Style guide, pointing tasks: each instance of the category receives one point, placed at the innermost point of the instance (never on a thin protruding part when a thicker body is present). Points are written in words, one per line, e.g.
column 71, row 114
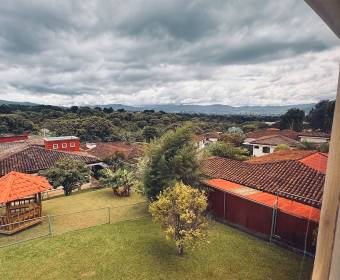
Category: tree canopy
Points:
column 321, row 116
column 69, row 174
column 170, row 159
column 94, row 124
column 121, row 181
column 227, row 150
column 293, row 119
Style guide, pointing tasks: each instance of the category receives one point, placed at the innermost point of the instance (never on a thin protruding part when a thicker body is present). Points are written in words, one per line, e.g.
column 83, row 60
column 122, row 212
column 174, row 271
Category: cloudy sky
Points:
column 235, row 52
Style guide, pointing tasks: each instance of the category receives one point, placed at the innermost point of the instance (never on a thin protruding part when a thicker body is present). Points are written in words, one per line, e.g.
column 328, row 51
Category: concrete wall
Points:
column 313, row 139
column 257, row 152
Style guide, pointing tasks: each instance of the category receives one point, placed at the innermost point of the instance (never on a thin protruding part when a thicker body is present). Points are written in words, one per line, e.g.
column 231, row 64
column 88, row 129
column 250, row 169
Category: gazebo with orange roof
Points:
column 21, row 194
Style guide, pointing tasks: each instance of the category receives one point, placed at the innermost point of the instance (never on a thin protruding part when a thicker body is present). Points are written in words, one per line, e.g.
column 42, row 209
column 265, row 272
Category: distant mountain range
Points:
column 5, row 102
column 216, row 109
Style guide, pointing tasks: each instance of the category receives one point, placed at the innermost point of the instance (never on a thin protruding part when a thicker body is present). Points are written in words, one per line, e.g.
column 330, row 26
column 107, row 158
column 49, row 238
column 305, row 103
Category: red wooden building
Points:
column 62, row 143
column 6, row 138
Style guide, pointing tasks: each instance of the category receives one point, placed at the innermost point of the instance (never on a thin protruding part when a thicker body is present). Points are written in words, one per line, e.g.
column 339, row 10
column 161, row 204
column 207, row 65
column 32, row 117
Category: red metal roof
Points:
column 317, row 161
column 16, row 185
column 286, row 205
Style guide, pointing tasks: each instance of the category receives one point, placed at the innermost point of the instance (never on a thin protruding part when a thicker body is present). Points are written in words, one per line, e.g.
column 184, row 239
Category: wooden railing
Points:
column 19, row 217
column 23, row 201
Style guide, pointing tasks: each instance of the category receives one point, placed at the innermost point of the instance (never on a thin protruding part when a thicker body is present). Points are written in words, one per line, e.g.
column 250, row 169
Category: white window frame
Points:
column 55, row 146
column 72, row 145
column 64, row 145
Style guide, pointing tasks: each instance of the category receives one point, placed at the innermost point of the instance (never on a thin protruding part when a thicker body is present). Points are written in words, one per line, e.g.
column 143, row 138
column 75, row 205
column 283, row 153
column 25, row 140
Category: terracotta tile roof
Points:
column 285, row 132
column 33, row 159
column 286, row 205
column 314, row 134
column 7, row 146
column 290, row 179
column 317, row 161
column 104, row 150
column 281, row 155
column 313, row 159
column 16, row 185
column 274, row 140
column 272, row 131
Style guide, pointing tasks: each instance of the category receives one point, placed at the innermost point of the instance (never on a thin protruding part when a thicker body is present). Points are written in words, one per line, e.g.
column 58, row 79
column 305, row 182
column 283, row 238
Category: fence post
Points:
column 50, row 225
column 109, row 210
column 224, row 215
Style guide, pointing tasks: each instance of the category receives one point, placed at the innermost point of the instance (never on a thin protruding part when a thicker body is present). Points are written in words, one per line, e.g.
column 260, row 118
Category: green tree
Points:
column 323, row 148
column 171, row 158
column 227, row 150
column 70, row 174
column 235, row 139
column 96, row 128
column 120, row 181
column 116, row 160
column 180, row 210
column 321, row 116
column 293, row 119
column 235, row 130
column 149, row 133
column 14, row 123
column 281, row 147
column 304, row 145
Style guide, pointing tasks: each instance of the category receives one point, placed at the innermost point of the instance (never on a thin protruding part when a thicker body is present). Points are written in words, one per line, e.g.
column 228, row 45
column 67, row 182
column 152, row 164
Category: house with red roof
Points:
column 264, row 141
column 277, row 196
column 132, row 152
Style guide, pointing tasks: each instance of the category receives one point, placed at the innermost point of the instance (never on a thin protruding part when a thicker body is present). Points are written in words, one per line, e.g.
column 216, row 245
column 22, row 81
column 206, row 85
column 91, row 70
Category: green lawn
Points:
column 138, row 250
column 93, row 199
column 82, row 210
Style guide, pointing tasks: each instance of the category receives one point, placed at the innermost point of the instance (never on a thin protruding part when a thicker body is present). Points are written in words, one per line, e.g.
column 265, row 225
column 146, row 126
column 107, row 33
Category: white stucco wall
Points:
column 259, row 152
column 313, row 139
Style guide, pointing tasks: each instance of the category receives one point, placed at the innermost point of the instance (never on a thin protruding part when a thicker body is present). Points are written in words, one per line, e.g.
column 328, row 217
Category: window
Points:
column 55, row 146
column 72, row 144
column 266, row 150
column 64, row 145
column 256, row 147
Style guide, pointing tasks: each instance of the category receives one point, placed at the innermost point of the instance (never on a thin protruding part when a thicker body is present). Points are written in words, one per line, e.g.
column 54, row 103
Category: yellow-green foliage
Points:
column 180, row 211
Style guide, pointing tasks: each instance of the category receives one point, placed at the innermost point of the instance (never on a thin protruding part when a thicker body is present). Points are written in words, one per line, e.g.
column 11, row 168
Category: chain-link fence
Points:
column 58, row 224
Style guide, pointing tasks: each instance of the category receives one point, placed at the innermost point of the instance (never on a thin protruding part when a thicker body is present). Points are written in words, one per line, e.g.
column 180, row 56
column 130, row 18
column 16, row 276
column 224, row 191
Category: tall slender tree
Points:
column 171, row 158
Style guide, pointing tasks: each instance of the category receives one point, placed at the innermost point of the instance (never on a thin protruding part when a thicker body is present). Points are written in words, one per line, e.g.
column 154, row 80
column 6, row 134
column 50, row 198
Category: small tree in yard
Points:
column 180, row 211
column 120, row 181
column 281, row 147
column 221, row 149
column 70, row 174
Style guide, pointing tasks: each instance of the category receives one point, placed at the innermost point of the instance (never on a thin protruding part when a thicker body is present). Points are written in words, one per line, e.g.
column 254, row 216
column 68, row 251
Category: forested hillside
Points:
column 94, row 124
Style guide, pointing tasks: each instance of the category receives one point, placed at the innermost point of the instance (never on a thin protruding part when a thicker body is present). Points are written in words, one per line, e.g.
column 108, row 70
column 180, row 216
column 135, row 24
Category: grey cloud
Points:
column 155, row 51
